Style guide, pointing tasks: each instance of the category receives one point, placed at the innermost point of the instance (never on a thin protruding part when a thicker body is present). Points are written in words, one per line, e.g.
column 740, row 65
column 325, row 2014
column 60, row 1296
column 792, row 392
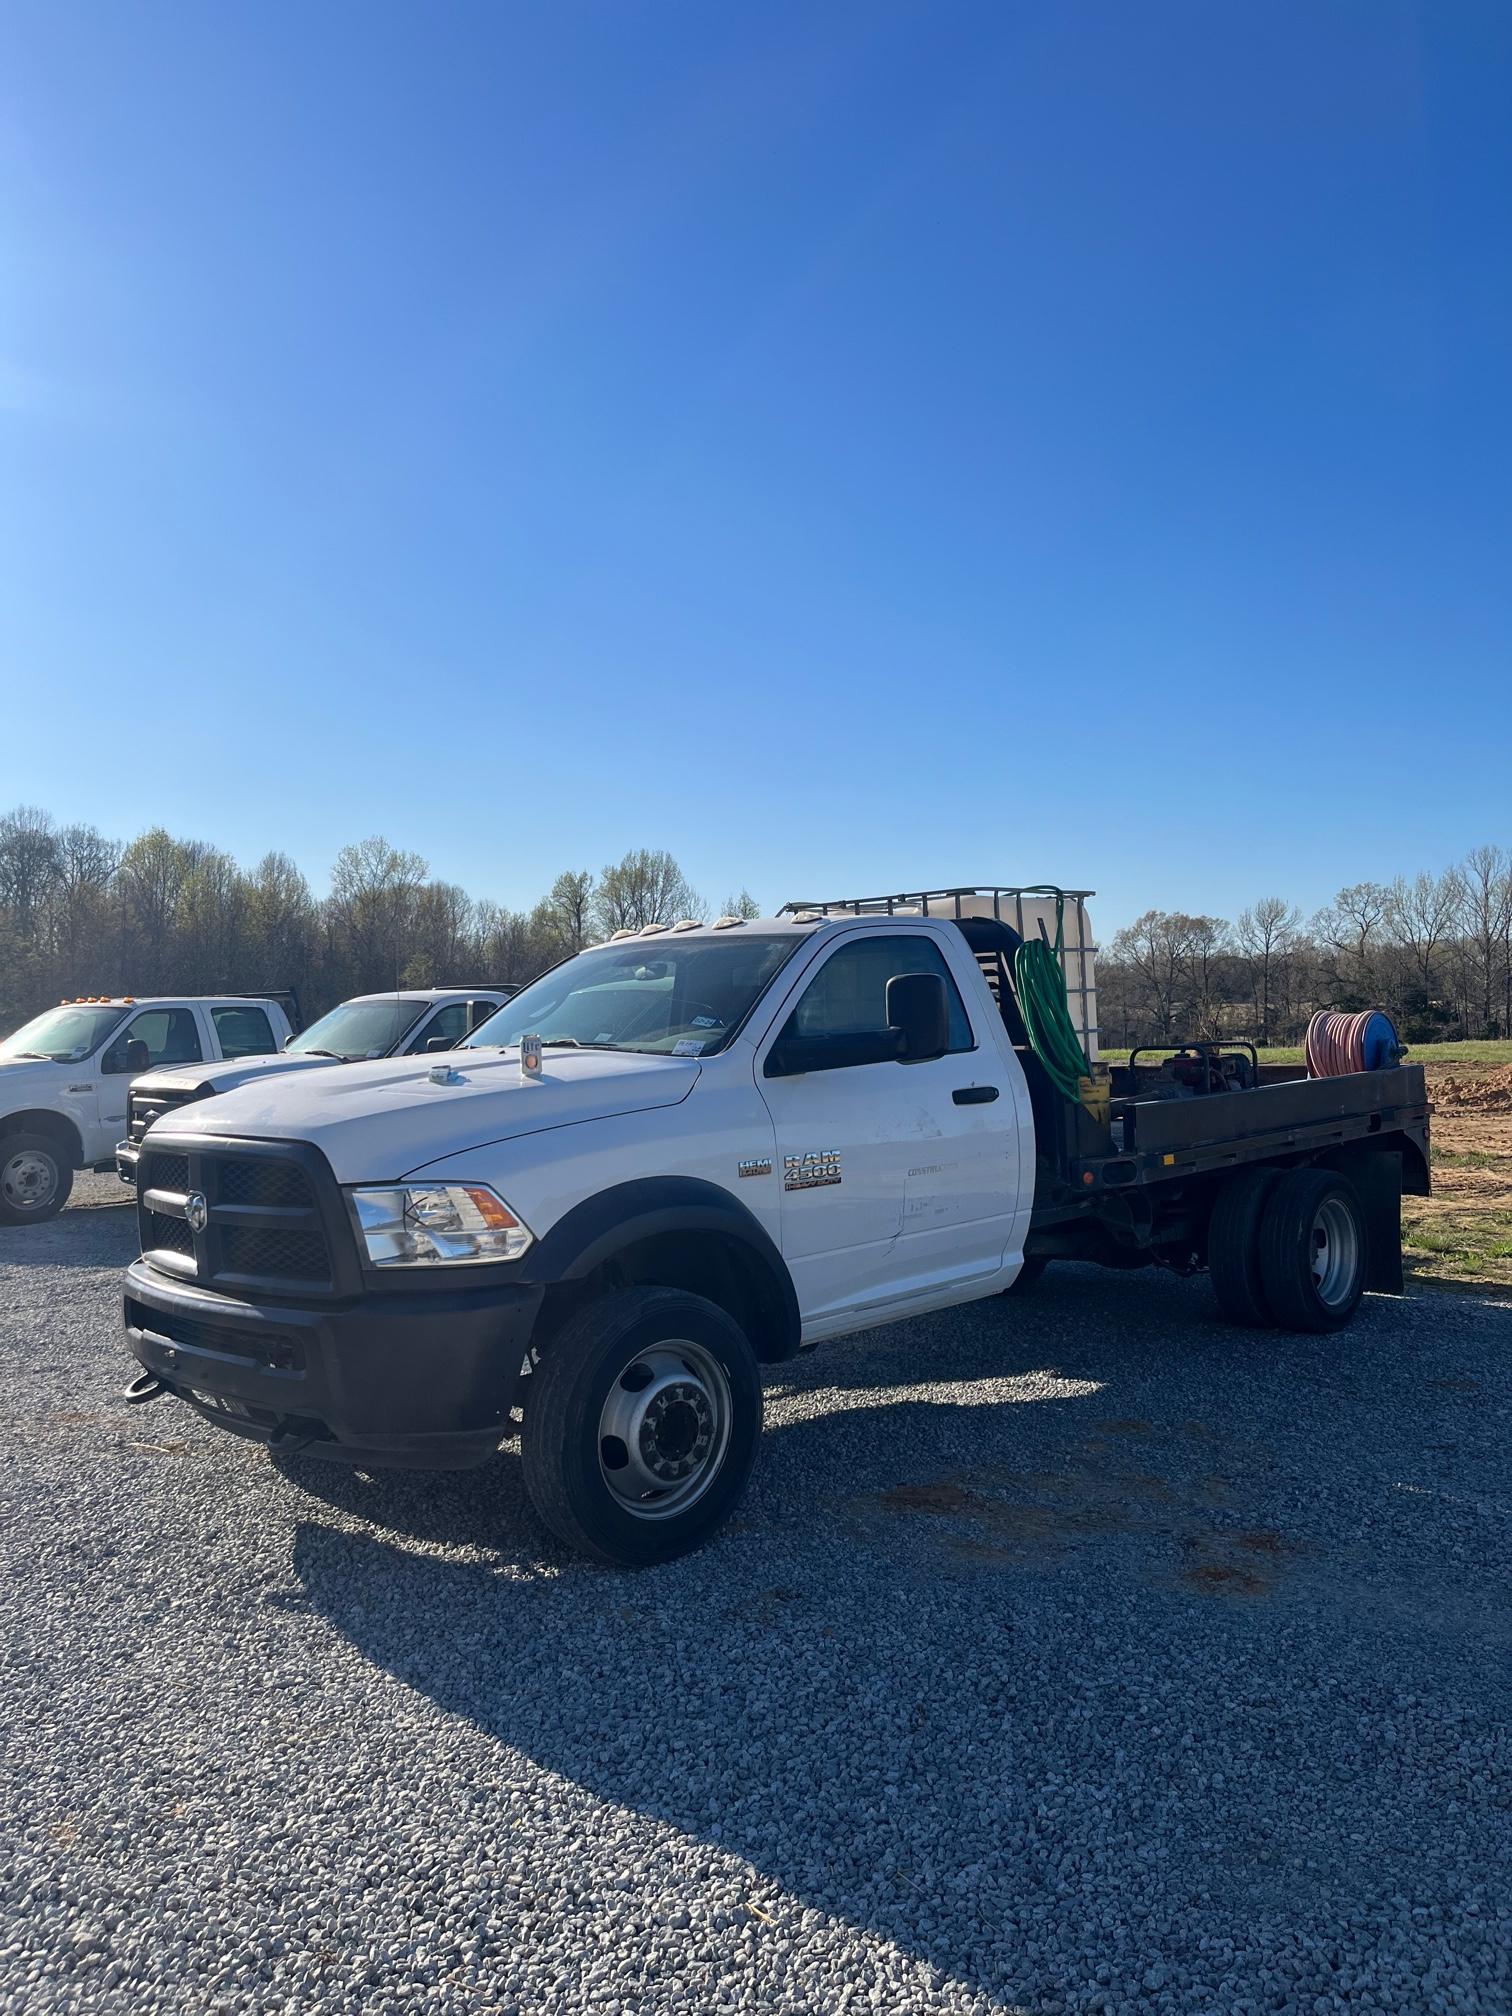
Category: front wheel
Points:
column 35, row 1179
column 641, row 1422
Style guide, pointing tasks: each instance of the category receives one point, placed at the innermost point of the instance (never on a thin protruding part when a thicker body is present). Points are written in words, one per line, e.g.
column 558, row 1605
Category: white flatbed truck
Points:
column 694, row 1151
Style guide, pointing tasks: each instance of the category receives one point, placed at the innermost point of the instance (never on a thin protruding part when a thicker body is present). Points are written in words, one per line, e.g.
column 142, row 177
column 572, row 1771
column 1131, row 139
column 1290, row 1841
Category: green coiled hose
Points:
column 1041, row 988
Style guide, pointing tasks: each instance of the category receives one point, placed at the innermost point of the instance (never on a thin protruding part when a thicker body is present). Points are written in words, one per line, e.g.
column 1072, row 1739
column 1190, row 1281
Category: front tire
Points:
column 641, row 1423
column 1314, row 1251
column 35, row 1179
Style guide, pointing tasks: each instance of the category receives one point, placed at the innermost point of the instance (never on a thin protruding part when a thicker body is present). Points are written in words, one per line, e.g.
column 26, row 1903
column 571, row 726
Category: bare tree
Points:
column 1487, row 880
column 743, row 905
column 1266, row 934
column 569, row 906
column 28, row 864
column 1348, row 928
column 1155, row 947
column 1421, row 914
column 644, row 888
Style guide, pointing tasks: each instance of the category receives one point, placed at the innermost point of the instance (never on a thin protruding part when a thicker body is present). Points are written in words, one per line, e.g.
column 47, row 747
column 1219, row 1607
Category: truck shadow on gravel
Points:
column 997, row 1649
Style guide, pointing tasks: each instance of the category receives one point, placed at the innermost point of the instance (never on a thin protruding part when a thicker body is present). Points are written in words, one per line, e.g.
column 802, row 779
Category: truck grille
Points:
column 268, row 1221
column 271, row 1183
column 170, row 1234
column 142, row 1108
column 170, row 1172
column 295, row 1256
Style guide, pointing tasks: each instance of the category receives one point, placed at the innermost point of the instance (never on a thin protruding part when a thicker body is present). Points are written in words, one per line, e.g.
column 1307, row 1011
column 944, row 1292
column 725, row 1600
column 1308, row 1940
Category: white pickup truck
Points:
column 64, row 1078
column 691, row 1152
column 408, row 1022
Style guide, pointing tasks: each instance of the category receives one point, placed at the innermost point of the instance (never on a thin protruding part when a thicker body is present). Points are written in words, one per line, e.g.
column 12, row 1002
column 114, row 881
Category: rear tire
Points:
column 1314, row 1251
column 1234, row 1247
column 35, row 1178
column 641, row 1424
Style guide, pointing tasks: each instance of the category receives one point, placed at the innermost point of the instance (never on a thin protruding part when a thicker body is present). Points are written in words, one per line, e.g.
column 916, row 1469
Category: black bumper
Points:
column 424, row 1379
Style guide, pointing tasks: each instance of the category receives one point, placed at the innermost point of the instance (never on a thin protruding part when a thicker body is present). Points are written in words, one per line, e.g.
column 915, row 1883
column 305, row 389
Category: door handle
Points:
column 974, row 1095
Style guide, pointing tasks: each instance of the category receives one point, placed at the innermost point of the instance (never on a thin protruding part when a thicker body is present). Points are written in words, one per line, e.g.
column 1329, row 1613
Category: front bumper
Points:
column 126, row 1156
column 423, row 1379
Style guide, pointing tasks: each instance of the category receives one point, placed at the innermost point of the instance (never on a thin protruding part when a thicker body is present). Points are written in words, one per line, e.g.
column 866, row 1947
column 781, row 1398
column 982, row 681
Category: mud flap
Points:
column 1378, row 1179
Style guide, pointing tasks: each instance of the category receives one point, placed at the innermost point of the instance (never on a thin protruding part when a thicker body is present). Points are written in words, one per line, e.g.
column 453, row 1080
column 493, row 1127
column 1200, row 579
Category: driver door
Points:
column 171, row 1036
column 893, row 1190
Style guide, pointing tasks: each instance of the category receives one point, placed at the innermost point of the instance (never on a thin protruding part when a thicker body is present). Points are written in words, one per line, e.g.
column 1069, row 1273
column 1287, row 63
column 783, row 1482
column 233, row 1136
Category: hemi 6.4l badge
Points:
column 760, row 1165
column 811, row 1172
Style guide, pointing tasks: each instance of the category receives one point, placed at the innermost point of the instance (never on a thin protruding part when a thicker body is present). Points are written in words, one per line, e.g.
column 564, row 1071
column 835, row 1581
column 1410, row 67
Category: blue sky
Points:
column 850, row 445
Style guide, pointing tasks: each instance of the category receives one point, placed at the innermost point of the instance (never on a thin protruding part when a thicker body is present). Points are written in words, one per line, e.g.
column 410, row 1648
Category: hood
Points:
column 380, row 1121
column 14, row 1069
column 223, row 1077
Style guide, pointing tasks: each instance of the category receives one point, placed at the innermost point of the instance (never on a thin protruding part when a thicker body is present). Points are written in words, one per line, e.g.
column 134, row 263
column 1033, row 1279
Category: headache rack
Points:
column 1029, row 911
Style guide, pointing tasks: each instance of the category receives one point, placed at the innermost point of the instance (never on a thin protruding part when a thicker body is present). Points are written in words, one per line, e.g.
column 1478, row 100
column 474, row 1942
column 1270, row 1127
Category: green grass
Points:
column 1466, row 1158
column 1484, row 1053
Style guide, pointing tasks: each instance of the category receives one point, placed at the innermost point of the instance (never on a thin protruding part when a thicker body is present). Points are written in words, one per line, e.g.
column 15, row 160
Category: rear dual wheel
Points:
column 1288, row 1248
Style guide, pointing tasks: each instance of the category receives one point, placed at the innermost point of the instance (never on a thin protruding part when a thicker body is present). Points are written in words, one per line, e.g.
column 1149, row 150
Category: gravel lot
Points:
column 1070, row 1654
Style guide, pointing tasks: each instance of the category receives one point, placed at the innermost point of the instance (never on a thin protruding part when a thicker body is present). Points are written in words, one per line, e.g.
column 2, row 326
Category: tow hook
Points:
column 146, row 1386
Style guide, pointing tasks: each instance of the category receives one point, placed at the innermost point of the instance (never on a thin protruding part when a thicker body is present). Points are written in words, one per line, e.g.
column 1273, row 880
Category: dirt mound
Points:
column 1488, row 1092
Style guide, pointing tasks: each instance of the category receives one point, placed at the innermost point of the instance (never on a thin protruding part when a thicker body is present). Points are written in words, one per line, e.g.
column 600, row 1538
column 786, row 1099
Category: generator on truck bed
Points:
column 704, row 1147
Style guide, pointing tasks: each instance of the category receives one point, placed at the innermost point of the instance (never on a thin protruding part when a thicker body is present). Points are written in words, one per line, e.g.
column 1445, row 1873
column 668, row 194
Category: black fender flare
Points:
column 593, row 1232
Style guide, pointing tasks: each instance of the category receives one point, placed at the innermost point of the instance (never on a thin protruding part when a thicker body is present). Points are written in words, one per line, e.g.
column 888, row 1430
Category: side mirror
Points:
column 918, row 1010
column 288, row 1040
column 435, row 1043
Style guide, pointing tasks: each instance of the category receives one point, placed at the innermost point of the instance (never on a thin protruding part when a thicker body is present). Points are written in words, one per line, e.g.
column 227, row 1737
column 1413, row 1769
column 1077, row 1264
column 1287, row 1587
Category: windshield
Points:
column 359, row 1029
column 63, row 1035
column 684, row 998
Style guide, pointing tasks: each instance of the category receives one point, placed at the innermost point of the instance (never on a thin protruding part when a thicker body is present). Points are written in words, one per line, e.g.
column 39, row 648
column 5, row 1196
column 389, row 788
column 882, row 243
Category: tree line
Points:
column 84, row 914
column 1433, row 950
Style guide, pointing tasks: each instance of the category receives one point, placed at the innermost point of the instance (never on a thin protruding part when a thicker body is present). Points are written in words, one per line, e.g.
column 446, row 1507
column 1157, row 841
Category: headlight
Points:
column 425, row 1224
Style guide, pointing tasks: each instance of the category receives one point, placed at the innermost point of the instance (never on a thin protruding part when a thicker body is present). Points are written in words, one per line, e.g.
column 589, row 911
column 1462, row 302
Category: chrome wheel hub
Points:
column 1335, row 1252
column 664, row 1428
column 28, row 1180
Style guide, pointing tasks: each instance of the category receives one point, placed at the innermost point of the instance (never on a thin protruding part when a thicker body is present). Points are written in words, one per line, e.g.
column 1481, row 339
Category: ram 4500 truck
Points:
column 64, row 1074
column 695, row 1151
column 409, row 1022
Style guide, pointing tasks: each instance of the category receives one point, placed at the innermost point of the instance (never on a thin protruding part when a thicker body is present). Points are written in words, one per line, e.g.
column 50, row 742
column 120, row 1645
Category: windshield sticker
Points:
column 686, row 1047
column 706, row 1022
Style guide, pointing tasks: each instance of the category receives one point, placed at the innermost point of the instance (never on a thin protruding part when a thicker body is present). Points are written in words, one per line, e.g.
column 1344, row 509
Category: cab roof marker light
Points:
column 687, row 924
column 615, row 936
column 651, row 930
column 728, row 923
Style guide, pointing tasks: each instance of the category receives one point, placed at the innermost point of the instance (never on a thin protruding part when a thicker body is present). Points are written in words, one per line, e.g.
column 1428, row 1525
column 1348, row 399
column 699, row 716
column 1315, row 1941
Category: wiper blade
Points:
column 339, row 1056
column 37, row 1056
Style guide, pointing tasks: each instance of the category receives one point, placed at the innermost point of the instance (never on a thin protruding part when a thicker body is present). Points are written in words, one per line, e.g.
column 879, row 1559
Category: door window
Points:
column 848, row 995
column 169, row 1035
column 450, row 1022
column 243, row 1032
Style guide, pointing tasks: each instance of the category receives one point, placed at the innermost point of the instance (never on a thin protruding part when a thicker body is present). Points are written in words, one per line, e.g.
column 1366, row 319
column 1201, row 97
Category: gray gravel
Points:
column 1070, row 1654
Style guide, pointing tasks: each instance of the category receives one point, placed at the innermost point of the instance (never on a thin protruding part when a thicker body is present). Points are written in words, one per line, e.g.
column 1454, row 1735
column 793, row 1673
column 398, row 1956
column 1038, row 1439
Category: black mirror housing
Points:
column 919, row 1013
